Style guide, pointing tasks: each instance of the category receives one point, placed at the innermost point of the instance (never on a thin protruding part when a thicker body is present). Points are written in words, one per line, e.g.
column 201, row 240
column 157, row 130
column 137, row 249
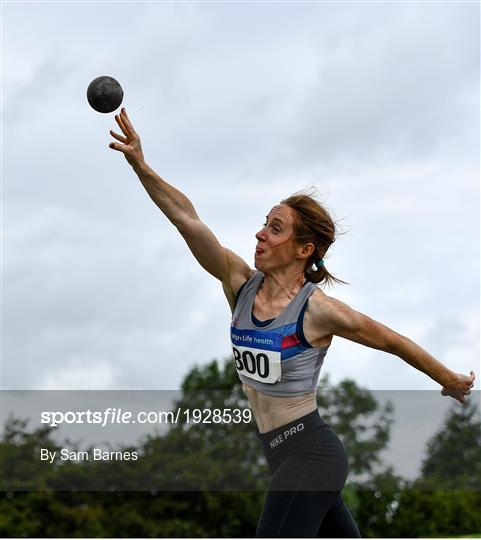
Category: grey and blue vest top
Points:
column 273, row 356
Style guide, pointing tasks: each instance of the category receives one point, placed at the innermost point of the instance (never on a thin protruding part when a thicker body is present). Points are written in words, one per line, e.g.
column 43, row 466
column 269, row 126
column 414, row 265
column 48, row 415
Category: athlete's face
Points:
column 276, row 244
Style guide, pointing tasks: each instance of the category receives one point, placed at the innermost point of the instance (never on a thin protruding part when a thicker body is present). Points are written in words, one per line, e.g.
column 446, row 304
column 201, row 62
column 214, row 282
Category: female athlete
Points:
column 282, row 326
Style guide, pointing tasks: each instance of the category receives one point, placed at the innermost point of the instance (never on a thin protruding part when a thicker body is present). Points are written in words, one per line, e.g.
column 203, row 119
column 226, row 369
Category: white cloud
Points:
column 238, row 105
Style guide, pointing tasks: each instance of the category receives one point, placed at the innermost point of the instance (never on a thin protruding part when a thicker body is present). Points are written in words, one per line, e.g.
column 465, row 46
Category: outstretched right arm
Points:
column 219, row 261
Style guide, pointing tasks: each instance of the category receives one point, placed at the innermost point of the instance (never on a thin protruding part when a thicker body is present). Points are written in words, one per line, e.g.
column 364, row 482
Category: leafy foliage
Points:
column 217, row 475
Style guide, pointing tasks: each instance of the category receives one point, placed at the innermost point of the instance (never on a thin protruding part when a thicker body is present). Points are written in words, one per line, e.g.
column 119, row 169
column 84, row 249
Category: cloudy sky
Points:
column 238, row 105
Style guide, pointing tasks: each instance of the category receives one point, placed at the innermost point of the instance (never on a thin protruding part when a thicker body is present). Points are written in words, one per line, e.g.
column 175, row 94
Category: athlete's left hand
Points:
column 459, row 387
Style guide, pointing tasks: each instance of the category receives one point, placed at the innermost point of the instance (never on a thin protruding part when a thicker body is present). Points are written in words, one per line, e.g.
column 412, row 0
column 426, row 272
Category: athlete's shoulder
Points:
column 239, row 270
column 323, row 307
column 332, row 313
column 239, row 274
column 318, row 300
column 241, row 279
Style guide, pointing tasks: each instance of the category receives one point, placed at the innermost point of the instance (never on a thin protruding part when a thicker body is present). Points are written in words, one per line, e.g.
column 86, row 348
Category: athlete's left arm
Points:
column 341, row 320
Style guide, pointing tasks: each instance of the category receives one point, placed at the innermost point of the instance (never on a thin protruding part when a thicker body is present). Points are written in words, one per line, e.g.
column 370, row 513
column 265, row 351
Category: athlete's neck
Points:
column 280, row 286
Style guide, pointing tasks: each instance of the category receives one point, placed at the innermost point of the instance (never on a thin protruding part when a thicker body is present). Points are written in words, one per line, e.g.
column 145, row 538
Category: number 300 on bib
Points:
column 261, row 365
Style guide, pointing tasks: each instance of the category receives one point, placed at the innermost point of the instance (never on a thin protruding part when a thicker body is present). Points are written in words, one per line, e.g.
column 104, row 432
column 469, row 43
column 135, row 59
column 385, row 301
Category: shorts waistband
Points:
column 286, row 435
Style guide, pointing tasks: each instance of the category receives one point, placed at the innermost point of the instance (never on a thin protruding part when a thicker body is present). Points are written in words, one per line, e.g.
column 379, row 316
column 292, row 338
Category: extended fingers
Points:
column 128, row 124
column 119, row 147
column 126, row 120
column 121, row 124
column 118, row 137
column 116, row 146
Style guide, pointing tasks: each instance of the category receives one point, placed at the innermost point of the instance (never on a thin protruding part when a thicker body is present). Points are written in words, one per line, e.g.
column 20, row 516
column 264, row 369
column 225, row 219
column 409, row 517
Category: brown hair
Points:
column 314, row 224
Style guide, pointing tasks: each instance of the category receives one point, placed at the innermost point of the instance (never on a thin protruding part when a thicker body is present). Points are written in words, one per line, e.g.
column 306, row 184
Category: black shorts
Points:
column 309, row 467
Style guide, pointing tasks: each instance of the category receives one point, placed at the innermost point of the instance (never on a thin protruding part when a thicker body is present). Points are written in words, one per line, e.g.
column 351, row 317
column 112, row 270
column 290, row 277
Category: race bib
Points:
column 257, row 354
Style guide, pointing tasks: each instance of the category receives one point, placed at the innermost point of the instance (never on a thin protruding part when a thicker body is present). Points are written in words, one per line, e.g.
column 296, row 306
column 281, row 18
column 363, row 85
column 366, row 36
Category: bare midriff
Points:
column 272, row 412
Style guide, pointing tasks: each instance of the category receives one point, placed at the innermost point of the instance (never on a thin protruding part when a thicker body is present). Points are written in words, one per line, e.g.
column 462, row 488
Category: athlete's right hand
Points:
column 131, row 147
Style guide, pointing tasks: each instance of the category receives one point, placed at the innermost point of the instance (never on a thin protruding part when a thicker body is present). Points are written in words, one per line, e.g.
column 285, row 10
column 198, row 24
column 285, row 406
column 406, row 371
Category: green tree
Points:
column 361, row 422
column 453, row 458
column 212, row 477
column 376, row 502
column 440, row 513
column 446, row 498
column 19, row 455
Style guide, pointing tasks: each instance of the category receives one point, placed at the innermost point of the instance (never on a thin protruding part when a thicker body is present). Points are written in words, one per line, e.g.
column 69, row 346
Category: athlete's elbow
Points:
column 187, row 226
